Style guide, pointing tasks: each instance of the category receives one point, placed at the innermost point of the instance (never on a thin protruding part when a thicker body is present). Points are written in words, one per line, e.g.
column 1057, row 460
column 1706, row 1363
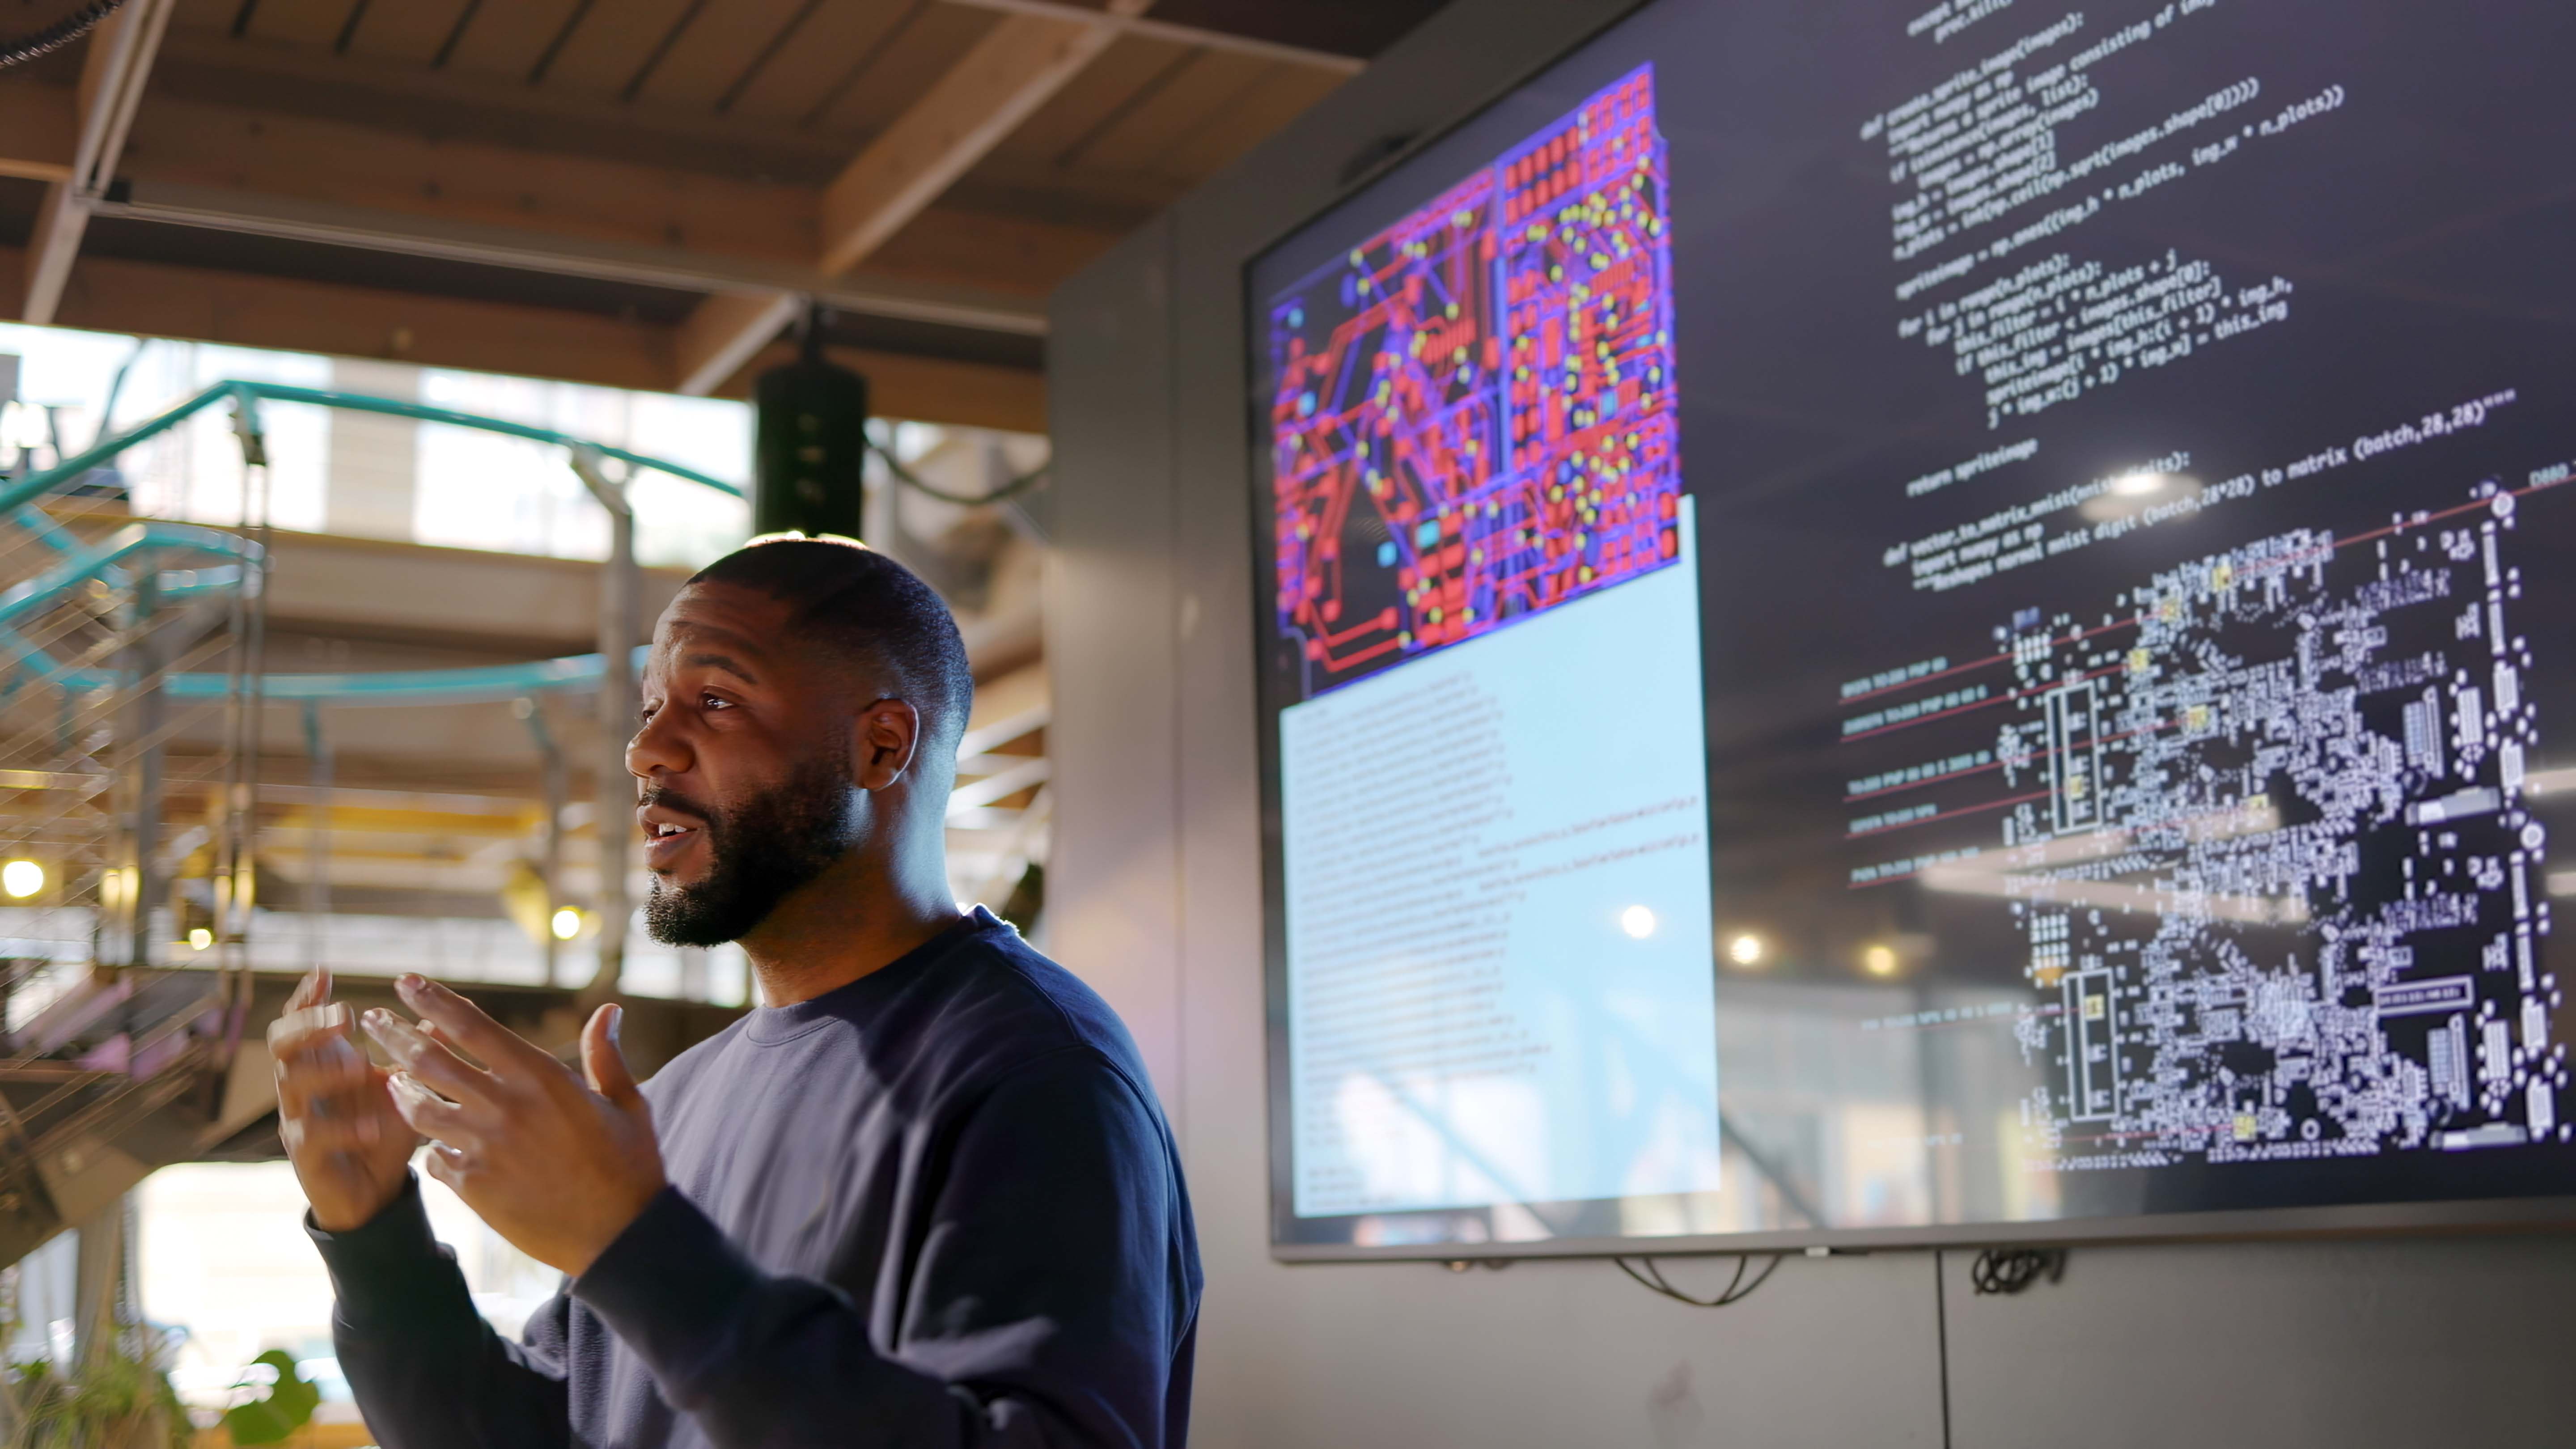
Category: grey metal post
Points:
column 620, row 621
column 317, row 836
column 98, row 1272
column 150, row 709
column 551, row 754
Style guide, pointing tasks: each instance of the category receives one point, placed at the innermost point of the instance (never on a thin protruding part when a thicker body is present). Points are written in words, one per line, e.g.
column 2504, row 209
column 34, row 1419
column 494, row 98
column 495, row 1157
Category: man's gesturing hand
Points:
column 350, row 1148
column 556, row 1165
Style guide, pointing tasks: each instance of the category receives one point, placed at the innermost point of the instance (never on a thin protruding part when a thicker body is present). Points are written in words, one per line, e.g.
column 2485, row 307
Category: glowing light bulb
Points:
column 1638, row 922
column 567, row 923
column 1745, row 950
column 199, row 938
column 21, row 879
column 1879, row 960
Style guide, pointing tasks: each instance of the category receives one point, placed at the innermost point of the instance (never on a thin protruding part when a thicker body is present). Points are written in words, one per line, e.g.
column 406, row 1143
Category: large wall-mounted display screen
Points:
column 1929, row 622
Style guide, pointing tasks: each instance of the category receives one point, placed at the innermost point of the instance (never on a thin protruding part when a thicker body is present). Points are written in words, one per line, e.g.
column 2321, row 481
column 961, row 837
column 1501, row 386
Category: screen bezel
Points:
column 2383, row 1219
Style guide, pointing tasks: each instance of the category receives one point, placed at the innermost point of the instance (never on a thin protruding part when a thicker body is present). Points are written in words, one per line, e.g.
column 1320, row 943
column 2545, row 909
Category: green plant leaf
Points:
column 286, row 1407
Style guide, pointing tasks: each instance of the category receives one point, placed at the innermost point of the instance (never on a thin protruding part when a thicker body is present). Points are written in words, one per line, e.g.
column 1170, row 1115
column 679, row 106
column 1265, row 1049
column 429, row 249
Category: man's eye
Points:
column 715, row 701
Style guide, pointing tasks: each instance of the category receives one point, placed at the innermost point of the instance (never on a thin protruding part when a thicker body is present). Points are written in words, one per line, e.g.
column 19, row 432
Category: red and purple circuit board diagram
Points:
column 1473, row 412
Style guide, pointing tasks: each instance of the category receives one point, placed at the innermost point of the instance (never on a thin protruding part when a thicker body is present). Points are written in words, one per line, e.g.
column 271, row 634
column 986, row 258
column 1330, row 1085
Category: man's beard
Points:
column 758, row 852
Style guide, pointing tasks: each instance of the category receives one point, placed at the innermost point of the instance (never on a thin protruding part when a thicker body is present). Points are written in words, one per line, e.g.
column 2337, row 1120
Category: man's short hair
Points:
column 860, row 604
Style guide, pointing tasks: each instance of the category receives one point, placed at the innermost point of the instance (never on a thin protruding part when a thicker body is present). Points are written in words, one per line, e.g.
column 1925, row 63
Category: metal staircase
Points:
column 132, row 695
column 124, row 814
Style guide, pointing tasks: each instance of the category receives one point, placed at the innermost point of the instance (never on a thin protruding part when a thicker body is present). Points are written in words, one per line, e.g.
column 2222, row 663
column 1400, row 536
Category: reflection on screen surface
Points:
column 1901, row 618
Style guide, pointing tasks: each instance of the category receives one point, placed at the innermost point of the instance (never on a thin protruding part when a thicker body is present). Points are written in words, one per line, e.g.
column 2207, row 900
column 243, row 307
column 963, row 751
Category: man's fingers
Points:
column 447, row 1165
column 318, row 1094
column 312, row 991
column 304, row 1027
column 339, row 1133
column 317, row 1056
column 462, row 1022
column 603, row 1061
column 427, row 1113
column 428, row 1060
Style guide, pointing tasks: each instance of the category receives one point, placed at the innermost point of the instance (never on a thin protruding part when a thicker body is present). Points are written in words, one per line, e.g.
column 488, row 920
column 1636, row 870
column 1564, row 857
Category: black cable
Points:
column 51, row 38
column 906, row 477
column 1941, row 1330
column 2013, row 1270
column 1736, row 1290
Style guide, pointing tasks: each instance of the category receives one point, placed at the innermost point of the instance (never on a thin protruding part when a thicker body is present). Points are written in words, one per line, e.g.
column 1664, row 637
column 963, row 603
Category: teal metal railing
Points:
column 80, row 561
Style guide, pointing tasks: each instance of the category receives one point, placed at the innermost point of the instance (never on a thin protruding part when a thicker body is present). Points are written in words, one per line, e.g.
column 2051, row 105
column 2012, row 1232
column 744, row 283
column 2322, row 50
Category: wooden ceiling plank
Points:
column 1278, row 97
column 407, row 32
column 496, row 108
column 1075, row 147
column 1089, row 100
column 996, row 86
column 801, row 76
column 39, row 125
column 205, row 14
column 610, row 44
column 505, row 39
column 1195, row 36
column 1009, row 74
column 716, row 51
column 885, row 84
column 1192, row 98
column 315, row 23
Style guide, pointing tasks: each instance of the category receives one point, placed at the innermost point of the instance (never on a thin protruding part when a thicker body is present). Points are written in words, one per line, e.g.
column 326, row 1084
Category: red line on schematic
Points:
column 2267, row 565
column 1999, row 764
column 1945, row 815
column 2004, row 698
column 1990, row 660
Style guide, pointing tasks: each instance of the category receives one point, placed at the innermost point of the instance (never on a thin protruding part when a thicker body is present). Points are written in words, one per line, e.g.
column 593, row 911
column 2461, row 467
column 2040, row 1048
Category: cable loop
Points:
column 2013, row 1270
column 54, row 37
column 1736, row 1291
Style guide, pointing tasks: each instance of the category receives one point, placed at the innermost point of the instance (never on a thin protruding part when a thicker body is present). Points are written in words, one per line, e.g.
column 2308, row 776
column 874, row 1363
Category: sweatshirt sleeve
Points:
column 427, row 1371
column 1046, row 1292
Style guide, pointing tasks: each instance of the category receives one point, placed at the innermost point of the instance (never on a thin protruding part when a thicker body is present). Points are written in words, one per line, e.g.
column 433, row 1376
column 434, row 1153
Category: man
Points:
column 921, row 1196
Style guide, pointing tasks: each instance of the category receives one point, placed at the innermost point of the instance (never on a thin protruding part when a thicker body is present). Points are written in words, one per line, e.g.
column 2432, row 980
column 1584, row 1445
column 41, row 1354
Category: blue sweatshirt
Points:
column 938, row 1206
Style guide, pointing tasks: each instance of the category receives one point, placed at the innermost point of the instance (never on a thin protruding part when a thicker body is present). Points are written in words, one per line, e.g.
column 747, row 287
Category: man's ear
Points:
column 887, row 737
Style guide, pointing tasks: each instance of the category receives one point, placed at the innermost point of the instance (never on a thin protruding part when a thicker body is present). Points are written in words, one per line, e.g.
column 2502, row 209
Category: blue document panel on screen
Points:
column 1498, row 917
column 1492, row 783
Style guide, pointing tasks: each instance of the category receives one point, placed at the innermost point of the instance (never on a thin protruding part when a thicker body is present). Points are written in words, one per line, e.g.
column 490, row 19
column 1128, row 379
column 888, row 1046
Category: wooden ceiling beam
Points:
column 156, row 300
column 1008, row 74
column 933, row 389
column 230, row 168
column 717, row 338
column 927, row 297
column 203, row 305
column 276, row 153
